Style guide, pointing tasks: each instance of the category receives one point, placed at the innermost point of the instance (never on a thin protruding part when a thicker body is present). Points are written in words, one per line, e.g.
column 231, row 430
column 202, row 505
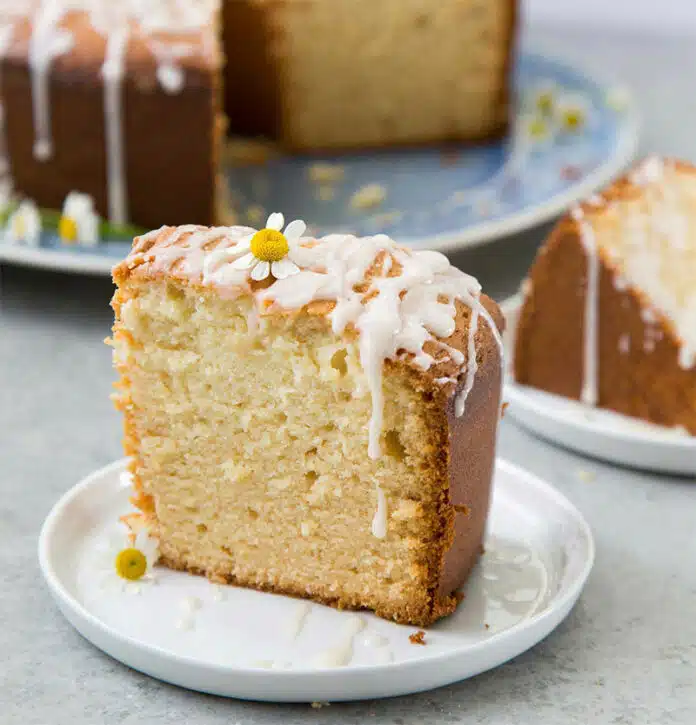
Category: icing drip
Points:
column 298, row 619
column 624, row 343
column 379, row 522
column 112, row 70
column 341, row 654
column 589, row 392
column 649, row 172
column 471, row 365
column 47, row 42
column 171, row 77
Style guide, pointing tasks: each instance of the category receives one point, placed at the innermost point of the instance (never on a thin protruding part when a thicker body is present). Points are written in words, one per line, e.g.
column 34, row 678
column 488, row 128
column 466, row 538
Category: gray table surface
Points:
column 626, row 654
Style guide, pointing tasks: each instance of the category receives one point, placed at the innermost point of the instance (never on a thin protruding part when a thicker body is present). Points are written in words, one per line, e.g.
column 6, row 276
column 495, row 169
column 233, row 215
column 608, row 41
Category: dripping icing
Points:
column 112, row 71
column 589, row 391
column 46, row 43
column 379, row 522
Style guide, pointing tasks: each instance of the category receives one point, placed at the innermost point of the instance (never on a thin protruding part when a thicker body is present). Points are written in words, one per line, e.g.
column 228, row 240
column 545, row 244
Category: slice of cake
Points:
column 609, row 314
column 310, row 417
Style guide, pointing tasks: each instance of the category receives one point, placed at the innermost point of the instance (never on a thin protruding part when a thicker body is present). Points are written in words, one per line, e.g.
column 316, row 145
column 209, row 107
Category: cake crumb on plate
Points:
column 417, row 637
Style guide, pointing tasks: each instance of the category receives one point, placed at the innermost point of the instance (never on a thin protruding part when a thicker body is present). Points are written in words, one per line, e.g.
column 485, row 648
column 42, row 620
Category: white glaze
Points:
column 340, row 654
column 624, row 343
column 589, row 391
column 171, row 77
column 374, row 639
column 471, row 365
column 185, row 623
column 47, row 42
column 379, row 522
column 189, row 605
column 112, row 72
column 298, row 618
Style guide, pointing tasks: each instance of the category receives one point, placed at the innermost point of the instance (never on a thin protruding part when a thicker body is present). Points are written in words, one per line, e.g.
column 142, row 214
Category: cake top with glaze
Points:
column 403, row 303
column 75, row 33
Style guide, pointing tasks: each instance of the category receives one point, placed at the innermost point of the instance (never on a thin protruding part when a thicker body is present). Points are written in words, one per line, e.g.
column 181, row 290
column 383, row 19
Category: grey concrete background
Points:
column 626, row 654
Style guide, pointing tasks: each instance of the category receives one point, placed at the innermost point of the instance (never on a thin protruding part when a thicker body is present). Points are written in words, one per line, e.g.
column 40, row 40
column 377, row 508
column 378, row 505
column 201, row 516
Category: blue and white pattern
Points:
column 444, row 198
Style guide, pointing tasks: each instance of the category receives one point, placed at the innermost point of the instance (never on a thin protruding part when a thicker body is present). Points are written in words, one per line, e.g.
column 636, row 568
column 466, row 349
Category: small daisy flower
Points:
column 269, row 251
column 79, row 223
column 127, row 563
column 538, row 129
column 24, row 224
column 544, row 99
column 572, row 114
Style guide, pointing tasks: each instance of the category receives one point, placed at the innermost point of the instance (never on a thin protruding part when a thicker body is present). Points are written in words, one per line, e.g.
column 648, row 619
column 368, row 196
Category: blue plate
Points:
column 444, row 198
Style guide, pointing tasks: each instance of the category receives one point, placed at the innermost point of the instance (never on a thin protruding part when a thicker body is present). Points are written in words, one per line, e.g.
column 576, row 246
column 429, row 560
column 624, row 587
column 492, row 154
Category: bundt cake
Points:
column 314, row 417
column 609, row 312
column 101, row 96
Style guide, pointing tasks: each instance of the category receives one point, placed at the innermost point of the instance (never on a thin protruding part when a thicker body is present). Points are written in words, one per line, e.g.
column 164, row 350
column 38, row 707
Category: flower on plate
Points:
column 79, row 222
column 538, row 129
column 269, row 251
column 571, row 113
column 544, row 99
column 128, row 560
column 24, row 224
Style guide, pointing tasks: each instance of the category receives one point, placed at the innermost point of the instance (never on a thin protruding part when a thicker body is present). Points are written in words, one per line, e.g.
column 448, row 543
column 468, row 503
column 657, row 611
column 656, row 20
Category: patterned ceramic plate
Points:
column 571, row 135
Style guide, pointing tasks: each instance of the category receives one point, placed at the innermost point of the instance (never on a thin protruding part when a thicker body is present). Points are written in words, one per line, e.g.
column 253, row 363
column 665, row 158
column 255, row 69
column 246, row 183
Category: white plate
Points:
column 440, row 197
column 255, row 646
column 591, row 431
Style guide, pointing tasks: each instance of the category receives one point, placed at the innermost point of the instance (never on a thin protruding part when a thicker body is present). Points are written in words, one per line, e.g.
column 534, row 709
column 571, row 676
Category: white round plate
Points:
column 256, row 646
column 440, row 197
column 594, row 432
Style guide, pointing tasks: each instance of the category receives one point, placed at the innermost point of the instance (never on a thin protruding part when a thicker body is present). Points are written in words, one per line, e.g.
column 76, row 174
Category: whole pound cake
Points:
column 100, row 95
column 314, row 417
column 609, row 314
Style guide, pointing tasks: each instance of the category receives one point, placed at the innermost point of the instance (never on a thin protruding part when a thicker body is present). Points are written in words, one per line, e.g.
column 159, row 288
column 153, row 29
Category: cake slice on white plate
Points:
column 314, row 417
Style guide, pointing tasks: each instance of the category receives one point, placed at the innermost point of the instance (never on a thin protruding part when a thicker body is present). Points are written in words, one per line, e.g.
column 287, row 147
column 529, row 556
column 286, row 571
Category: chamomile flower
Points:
column 79, row 223
column 269, row 251
column 125, row 563
column 572, row 113
column 24, row 224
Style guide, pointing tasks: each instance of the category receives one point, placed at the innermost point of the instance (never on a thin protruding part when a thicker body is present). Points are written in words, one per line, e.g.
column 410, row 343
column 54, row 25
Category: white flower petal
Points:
column 260, row 271
column 248, row 260
column 295, row 230
column 275, row 221
column 284, row 268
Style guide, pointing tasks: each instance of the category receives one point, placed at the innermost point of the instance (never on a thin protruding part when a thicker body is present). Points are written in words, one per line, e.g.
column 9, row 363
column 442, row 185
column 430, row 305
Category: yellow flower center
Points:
column 544, row 102
column 573, row 118
column 268, row 245
column 67, row 229
column 131, row 564
column 538, row 128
